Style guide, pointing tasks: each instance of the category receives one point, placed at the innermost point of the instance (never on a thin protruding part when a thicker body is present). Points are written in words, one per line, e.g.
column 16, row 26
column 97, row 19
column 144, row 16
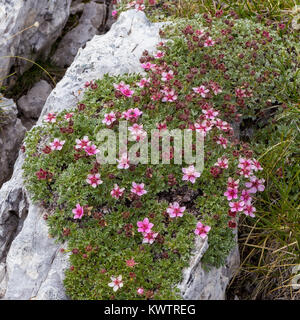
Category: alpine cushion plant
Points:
column 131, row 227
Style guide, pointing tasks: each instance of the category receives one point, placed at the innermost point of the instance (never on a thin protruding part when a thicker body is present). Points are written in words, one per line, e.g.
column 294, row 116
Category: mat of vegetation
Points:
column 131, row 227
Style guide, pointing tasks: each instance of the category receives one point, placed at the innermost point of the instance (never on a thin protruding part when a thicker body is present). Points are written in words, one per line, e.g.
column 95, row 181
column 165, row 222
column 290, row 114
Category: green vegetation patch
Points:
column 131, row 227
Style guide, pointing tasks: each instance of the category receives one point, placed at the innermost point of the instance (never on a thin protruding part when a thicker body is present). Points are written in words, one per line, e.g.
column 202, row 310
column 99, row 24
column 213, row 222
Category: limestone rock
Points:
column 34, row 264
column 116, row 52
column 76, row 7
column 32, row 103
column 91, row 22
column 17, row 15
column 11, row 136
column 199, row 284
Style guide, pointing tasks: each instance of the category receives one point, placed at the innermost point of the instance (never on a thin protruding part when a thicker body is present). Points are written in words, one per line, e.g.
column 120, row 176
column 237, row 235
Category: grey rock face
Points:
column 76, row 7
column 35, row 260
column 199, row 284
column 17, row 15
column 32, row 103
column 11, row 136
column 32, row 263
column 91, row 22
column 13, row 208
column 116, row 52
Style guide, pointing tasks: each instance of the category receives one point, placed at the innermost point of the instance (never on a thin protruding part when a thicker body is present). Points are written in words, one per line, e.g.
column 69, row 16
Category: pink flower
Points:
column 127, row 92
column 91, row 150
column 50, row 117
column 202, row 230
column 159, row 54
column 232, row 183
column 204, row 127
column 109, row 118
column 140, row 291
column 256, row 165
column 143, row 82
column 116, row 283
column 94, row 180
column 245, row 172
column 201, row 90
column 138, row 189
column 137, row 132
column 57, row 144
column 245, row 196
column 130, row 263
column 231, row 194
column 114, row 13
column 236, row 206
column 222, row 141
column 161, row 126
column 215, row 87
column 132, row 114
column 240, row 93
column 209, row 42
column 69, row 116
column 117, row 192
column 190, row 174
column 144, row 226
column 210, row 114
column 248, row 210
column 222, row 163
column 175, row 210
column 148, row 66
column 78, row 211
column 255, row 185
column 170, row 95
column 149, row 237
column 120, row 86
column 83, row 143
column 245, row 163
column 222, row 125
column 123, row 162
column 199, row 32
column 167, row 76
column 157, row 96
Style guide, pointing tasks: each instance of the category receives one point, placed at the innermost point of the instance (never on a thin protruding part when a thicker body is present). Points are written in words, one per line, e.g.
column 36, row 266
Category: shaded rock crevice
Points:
column 28, row 29
column 12, row 133
column 93, row 20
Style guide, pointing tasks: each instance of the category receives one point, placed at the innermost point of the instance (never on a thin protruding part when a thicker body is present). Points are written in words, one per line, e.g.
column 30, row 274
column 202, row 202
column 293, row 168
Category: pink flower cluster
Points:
column 137, row 132
column 244, row 204
column 132, row 114
column 86, row 145
column 202, row 230
column 124, row 89
column 145, row 227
